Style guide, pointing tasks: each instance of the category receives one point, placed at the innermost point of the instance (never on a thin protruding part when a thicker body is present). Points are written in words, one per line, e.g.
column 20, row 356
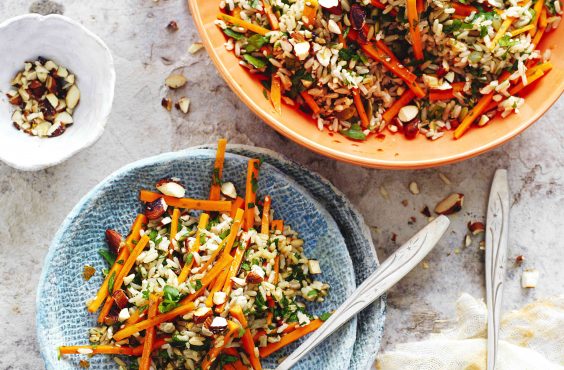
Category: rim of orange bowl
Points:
column 349, row 157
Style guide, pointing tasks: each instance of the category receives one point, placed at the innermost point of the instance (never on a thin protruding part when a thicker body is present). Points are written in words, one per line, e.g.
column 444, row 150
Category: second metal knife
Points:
column 497, row 224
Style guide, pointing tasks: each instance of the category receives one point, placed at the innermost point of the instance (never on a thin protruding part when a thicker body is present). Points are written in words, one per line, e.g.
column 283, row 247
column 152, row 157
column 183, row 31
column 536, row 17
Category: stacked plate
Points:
column 334, row 232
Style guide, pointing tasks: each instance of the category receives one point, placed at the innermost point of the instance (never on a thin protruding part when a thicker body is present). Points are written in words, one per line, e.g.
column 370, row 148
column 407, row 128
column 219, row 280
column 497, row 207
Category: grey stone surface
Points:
column 34, row 204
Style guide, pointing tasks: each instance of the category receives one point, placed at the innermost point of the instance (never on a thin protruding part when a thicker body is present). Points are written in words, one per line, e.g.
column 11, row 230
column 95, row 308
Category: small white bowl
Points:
column 26, row 37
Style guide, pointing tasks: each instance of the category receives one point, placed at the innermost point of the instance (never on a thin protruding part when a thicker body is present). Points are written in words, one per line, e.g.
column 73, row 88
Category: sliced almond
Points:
column 228, row 189
column 408, row 112
column 476, row 227
column 17, row 117
column 167, row 104
column 52, row 99
column 50, row 65
column 70, row 78
column 42, row 128
column 175, row 81
column 64, row 118
column 414, row 188
column 183, row 104
column 530, row 278
column 171, row 187
column 451, row 204
column 195, row 47
column 25, row 96
column 201, row 314
column 73, row 96
column 314, row 267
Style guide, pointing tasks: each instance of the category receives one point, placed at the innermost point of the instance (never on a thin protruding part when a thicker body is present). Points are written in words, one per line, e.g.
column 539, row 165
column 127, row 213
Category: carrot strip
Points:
column 278, row 225
column 118, row 278
column 233, row 270
column 545, row 67
column 310, row 102
column 134, row 318
column 477, row 110
column 413, row 19
column 238, row 365
column 276, row 94
column 360, row 109
column 241, row 23
column 382, row 45
column 270, row 15
column 501, row 32
column 401, row 102
column 379, row 5
column 237, row 203
column 140, row 220
column 158, row 343
column 521, row 30
column 174, row 228
column 247, row 339
column 202, row 223
column 215, row 190
column 95, row 350
column 198, row 204
column 219, row 344
column 227, row 243
column 310, row 11
column 145, row 363
column 289, row 338
column 541, row 28
column 420, row 6
column 539, row 5
column 251, row 187
column 157, row 320
column 265, row 222
column 435, row 95
column 212, row 274
column 463, row 9
column 216, row 287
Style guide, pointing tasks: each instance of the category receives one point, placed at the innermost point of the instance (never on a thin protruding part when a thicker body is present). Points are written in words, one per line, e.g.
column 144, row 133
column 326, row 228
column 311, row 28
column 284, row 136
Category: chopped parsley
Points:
column 108, row 256
column 171, row 297
column 354, row 132
column 255, row 61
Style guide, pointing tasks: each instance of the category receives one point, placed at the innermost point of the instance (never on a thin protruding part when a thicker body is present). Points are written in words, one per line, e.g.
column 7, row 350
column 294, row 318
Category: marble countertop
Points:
column 35, row 203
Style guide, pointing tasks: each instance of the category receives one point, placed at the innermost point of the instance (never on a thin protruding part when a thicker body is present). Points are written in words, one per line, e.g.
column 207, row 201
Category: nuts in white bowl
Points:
column 80, row 53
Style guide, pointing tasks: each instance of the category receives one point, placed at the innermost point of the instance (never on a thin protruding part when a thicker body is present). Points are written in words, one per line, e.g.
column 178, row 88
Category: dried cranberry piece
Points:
column 357, row 17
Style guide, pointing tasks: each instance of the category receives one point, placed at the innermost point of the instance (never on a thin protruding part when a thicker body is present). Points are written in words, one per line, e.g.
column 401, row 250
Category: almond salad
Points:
column 221, row 289
column 415, row 67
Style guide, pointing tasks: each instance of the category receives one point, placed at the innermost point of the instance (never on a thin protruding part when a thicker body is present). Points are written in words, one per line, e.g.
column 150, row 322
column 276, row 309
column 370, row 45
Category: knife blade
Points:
column 497, row 224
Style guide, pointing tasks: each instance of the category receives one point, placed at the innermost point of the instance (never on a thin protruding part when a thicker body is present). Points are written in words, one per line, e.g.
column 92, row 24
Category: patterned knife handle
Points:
column 386, row 276
column 497, row 228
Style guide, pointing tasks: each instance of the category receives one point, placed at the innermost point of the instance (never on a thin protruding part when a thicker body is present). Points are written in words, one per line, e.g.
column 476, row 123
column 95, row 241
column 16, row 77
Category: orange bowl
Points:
column 393, row 151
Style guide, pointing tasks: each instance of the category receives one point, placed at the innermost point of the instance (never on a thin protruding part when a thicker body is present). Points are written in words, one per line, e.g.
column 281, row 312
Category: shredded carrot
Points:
column 289, row 338
column 215, row 190
column 251, row 187
column 380, row 5
column 227, row 243
column 188, row 203
column 435, row 95
column 541, row 28
column 521, row 30
column 277, row 225
column 118, row 278
column 265, row 221
column 501, row 32
column 134, row 317
column 478, row 109
column 310, row 102
column 539, row 5
column 310, row 11
column 157, row 320
column 219, row 344
column 174, row 228
column 237, row 203
column 202, row 224
column 401, row 102
column 247, row 339
column 272, row 19
column 360, row 109
column 212, row 274
column 241, row 23
column 276, row 94
column 216, row 287
column 382, row 45
column 463, row 9
column 413, row 19
column 145, row 363
column 140, row 220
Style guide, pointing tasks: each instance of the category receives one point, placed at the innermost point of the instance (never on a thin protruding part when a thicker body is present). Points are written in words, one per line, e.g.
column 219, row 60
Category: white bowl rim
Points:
column 39, row 165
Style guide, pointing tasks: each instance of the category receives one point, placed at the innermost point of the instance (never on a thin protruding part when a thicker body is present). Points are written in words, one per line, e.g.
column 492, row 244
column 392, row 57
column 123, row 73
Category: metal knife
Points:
column 387, row 275
column 497, row 224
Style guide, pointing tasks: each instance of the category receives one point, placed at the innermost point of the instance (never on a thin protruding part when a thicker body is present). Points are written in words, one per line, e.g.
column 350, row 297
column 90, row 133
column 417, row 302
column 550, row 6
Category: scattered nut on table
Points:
column 45, row 95
column 451, row 204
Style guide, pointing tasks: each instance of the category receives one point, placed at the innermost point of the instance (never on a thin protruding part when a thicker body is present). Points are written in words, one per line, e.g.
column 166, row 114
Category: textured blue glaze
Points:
column 299, row 197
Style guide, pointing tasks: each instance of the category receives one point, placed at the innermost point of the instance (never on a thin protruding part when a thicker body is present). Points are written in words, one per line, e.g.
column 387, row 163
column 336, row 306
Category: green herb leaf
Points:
column 108, row 256
column 506, row 41
column 111, row 282
column 189, row 258
column 171, row 297
column 324, row 316
column 255, row 42
column 236, row 35
column 198, row 284
column 254, row 61
column 354, row 132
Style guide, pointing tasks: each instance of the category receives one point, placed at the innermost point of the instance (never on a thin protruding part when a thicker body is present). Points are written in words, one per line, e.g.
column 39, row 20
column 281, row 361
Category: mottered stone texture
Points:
column 33, row 205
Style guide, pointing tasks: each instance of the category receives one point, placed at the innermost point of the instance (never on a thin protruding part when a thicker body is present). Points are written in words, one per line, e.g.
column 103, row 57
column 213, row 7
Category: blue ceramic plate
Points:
column 338, row 239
